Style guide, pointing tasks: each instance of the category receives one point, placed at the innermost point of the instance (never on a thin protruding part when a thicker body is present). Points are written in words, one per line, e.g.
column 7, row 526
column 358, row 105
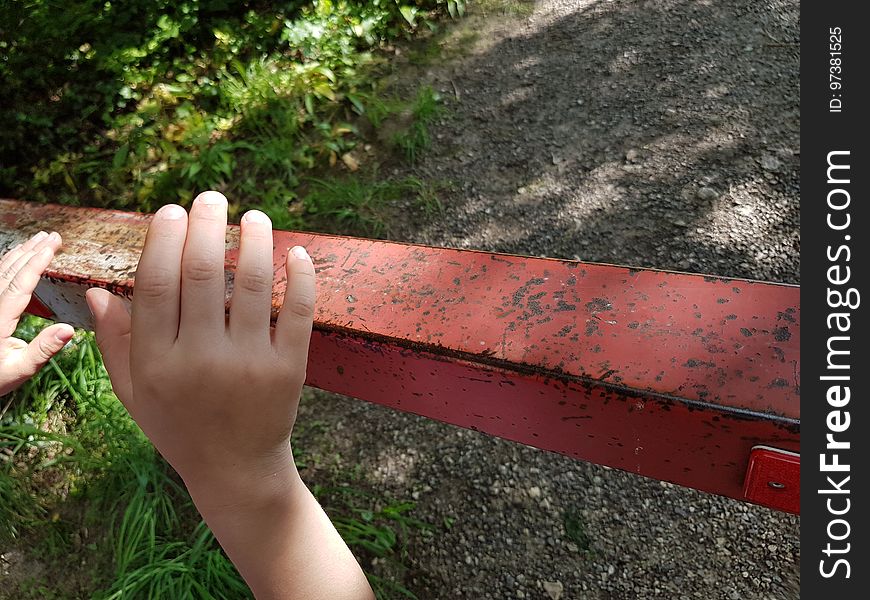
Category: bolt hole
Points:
column 776, row 485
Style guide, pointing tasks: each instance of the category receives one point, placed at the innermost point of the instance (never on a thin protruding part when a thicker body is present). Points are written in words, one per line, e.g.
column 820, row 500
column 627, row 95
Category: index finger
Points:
column 158, row 281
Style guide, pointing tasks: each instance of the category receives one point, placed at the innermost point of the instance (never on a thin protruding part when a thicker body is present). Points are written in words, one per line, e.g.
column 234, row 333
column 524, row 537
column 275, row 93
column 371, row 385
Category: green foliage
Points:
column 359, row 205
column 520, row 8
column 575, row 529
column 372, row 528
column 415, row 139
column 137, row 104
column 180, row 569
column 17, row 509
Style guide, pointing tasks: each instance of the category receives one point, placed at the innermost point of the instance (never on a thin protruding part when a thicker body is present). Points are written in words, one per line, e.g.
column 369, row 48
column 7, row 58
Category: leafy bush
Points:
column 137, row 104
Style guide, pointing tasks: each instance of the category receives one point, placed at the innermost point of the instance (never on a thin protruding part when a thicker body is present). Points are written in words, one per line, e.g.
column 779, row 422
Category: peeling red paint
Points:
column 638, row 369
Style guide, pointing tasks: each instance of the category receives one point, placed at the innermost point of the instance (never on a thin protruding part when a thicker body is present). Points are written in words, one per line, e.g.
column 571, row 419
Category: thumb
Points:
column 112, row 328
column 49, row 342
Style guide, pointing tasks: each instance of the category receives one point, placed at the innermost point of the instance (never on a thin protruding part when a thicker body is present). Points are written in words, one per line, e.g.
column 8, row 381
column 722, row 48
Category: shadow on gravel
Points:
column 662, row 134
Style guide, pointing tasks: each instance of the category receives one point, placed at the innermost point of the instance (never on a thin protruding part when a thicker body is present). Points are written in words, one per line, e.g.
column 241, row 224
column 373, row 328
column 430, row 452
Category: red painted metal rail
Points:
column 669, row 375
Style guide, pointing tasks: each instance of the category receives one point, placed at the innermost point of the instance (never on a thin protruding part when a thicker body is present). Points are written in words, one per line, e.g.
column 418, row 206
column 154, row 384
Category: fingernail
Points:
column 40, row 236
column 211, row 198
column 300, row 253
column 63, row 336
column 171, row 212
column 255, row 216
column 55, row 236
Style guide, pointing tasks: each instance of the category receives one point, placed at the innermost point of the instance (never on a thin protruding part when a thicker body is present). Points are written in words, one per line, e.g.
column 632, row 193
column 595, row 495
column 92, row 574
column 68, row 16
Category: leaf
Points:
column 349, row 160
column 327, row 72
column 357, row 103
column 410, row 14
column 309, row 104
column 120, row 158
column 451, row 8
column 324, row 90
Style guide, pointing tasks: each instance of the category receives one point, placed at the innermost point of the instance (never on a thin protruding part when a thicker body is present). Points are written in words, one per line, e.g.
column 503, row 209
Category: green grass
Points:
column 519, row 8
column 74, row 466
column 575, row 530
column 360, row 205
column 416, row 139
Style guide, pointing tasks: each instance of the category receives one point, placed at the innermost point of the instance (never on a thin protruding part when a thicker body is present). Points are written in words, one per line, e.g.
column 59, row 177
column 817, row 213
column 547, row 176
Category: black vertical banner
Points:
column 835, row 299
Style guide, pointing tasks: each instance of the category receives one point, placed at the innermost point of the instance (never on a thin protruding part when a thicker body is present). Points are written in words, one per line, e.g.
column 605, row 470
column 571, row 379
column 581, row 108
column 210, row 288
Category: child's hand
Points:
column 217, row 397
column 20, row 269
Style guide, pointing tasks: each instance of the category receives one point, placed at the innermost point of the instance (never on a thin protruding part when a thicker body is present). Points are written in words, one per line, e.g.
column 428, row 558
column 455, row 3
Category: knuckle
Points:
column 199, row 270
column 257, row 371
column 15, row 288
column 300, row 306
column 154, row 284
column 44, row 350
column 255, row 280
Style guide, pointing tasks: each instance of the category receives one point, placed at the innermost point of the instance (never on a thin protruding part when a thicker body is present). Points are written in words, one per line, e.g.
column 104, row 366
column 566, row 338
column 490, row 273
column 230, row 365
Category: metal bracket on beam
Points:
column 668, row 375
column 773, row 479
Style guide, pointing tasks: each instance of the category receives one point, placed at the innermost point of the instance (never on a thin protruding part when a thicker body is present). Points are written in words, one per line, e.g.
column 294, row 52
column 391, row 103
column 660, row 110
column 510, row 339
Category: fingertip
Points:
column 300, row 253
column 211, row 197
column 171, row 212
column 63, row 333
column 257, row 217
column 97, row 300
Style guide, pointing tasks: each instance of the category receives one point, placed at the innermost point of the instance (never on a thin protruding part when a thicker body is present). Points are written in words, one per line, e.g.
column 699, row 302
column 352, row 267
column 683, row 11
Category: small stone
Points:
column 707, row 194
column 535, row 492
column 554, row 589
column 770, row 162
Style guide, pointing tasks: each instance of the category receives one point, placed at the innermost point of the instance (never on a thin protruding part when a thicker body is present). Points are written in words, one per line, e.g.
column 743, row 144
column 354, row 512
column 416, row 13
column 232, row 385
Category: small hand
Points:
column 217, row 397
column 20, row 270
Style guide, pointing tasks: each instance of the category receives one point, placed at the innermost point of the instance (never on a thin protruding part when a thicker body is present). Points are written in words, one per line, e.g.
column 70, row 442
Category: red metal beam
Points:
column 670, row 375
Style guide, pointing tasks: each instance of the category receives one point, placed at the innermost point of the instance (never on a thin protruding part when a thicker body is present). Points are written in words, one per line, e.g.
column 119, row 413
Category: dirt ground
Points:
column 661, row 133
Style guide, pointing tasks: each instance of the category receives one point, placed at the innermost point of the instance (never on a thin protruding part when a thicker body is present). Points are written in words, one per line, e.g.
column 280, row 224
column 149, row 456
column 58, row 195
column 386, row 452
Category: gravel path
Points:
column 661, row 133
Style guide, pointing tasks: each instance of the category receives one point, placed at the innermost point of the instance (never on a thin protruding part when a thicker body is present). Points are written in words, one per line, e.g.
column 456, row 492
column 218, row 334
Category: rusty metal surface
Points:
column 671, row 375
